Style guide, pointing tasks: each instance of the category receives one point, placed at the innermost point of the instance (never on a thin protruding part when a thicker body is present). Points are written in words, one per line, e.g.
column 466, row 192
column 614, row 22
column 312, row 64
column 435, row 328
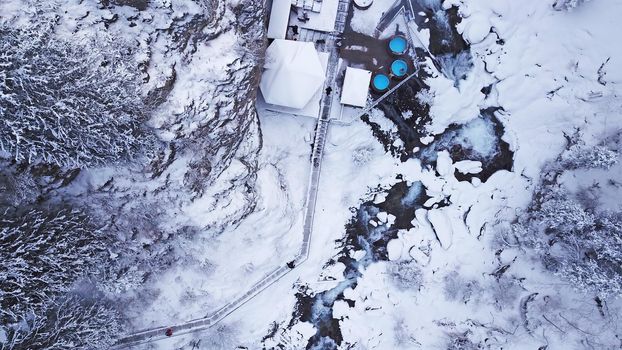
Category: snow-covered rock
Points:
column 468, row 166
column 394, row 249
column 382, row 216
column 358, row 254
column 391, row 219
column 477, row 29
column 444, row 163
column 419, row 255
column 426, row 140
column 380, row 197
column 442, row 227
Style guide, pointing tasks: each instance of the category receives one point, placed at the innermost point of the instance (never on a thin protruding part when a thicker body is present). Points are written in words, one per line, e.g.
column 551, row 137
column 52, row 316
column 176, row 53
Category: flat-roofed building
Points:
column 279, row 19
column 318, row 15
column 355, row 87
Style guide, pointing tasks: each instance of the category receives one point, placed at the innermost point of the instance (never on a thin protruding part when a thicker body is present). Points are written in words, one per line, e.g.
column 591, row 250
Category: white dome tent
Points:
column 293, row 74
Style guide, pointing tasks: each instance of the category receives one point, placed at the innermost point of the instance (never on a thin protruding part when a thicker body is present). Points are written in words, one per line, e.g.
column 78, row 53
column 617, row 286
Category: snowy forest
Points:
column 77, row 99
column 146, row 184
column 65, row 106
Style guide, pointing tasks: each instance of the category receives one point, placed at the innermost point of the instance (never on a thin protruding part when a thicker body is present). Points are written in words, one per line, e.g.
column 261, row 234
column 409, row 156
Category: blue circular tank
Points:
column 398, row 45
column 380, row 82
column 399, row 68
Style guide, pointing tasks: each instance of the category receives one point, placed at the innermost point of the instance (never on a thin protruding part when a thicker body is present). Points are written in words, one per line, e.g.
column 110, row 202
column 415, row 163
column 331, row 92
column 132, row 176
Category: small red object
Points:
column 169, row 332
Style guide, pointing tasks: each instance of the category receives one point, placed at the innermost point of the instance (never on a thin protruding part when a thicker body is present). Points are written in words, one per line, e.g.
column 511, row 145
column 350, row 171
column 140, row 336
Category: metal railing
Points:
column 385, row 95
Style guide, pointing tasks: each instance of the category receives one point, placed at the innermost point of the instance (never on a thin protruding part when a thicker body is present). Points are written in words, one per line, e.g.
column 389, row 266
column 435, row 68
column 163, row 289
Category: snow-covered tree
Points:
column 406, row 275
column 362, row 155
column 567, row 4
column 461, row 341
column 16, row 187
column 43, row 254
column 68, row 102
column 581, row 246
column 582, row 156
column 576, row 238
column 561, row 215
column 458, row 288
column 404, row 336
column 67, row 323
column 596, row 259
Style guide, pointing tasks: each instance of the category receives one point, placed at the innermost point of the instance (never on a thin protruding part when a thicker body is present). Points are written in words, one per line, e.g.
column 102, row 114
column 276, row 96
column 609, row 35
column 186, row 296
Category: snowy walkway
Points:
column 158, row 333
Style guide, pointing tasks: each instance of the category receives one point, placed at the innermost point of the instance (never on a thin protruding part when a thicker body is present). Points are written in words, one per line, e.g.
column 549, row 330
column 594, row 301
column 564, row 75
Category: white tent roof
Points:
column 355, row 87
column 293, row 73
column 279, row 19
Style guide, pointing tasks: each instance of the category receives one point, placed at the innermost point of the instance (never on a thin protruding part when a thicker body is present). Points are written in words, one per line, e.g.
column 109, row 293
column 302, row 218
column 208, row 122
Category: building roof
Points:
column 293, row 73
column 322, row 20
column 310, row 5
column 355, row 87
column 279, row 19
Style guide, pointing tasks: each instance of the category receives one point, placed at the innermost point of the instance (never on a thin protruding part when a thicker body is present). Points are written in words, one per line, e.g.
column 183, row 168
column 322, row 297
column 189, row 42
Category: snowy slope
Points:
column 179, row 209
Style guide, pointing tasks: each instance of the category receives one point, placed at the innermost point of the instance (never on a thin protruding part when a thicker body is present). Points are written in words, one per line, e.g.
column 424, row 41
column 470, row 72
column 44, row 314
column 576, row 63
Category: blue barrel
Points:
column 380, row 82
column 399, row 68
column 398, row 45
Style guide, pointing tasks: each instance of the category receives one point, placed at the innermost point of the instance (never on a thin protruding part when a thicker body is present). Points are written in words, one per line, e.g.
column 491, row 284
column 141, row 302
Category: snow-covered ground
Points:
column 445, row 279
column 468, row 289
column 475, row 291
column 217, row 268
